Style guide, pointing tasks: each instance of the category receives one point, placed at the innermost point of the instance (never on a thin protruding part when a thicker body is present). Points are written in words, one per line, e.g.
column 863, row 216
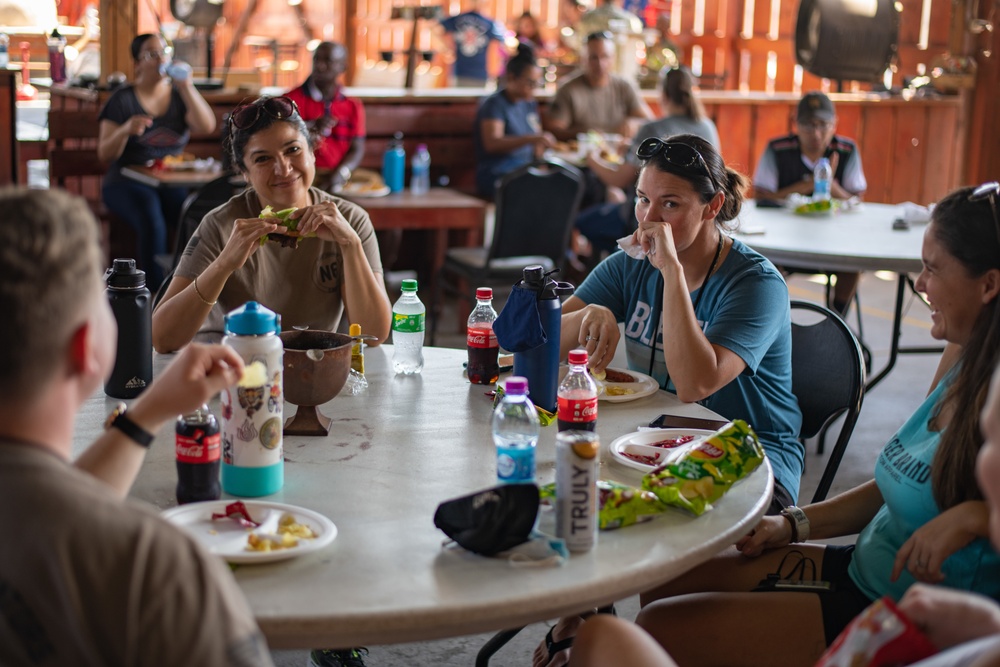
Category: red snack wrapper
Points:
column 238, row 512
column 880, row 636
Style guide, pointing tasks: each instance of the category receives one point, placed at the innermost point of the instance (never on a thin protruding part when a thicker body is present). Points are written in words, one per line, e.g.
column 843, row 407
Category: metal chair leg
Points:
column 494, row 644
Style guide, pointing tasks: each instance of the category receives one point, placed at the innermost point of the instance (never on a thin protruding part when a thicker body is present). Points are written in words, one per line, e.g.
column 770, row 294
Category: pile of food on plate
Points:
column 364, row 181
column 287, row 535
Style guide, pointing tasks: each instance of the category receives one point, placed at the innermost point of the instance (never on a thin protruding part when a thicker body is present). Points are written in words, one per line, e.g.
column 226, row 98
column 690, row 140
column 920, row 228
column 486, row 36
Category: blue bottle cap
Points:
column 252, row 319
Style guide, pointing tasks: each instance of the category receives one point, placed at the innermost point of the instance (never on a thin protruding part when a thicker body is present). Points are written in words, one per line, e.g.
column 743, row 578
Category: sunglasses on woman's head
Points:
column 676, row 154
column 246, row 116
column 990, row 192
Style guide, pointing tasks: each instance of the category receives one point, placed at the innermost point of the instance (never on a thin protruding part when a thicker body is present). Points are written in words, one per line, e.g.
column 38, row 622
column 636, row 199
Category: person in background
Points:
column 787, row 165
column 87, row 577
column 922, row 518
column 965, row 627
column 527, row 31
column 468, row 36
column 335, row 268
column 595, row 98
column 508, row 132
column 703, row 314
column 337, row 121
column 144, row 121
column 683, row 113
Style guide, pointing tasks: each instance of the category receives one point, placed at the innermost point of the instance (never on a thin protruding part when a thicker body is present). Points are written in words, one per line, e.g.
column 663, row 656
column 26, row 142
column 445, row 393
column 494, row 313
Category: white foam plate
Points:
column 640, row 442
column 357, row 190
column 643, row 386
column 228, row 539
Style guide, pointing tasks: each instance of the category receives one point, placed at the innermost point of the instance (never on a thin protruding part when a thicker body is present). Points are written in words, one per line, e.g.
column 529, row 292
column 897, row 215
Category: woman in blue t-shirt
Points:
column 921, row 519
column 703, row 313
column 507, row 132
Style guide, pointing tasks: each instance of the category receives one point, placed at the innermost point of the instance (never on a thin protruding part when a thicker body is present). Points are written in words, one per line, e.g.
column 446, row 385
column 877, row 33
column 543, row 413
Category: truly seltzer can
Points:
column 576, row 488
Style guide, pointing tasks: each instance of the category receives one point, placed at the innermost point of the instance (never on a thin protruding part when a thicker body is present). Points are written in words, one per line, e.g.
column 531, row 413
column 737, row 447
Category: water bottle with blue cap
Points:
column 252, row 453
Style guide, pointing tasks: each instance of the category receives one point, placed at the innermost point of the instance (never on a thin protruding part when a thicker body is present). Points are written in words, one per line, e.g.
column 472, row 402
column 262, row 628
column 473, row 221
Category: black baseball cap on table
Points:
column 816, row 105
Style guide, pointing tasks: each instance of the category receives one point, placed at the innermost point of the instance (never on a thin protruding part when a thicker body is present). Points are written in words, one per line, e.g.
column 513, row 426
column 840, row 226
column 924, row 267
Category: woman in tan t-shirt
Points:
column 336, row 265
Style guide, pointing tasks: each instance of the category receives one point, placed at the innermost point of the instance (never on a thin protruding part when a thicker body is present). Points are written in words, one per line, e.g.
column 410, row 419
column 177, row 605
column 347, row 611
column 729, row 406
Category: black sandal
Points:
column 555, row 647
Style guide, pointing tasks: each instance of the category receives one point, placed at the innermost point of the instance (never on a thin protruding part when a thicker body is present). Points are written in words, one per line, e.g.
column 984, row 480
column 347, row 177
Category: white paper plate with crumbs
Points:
column 645, row 450
column 609, row 391
column 228, row 539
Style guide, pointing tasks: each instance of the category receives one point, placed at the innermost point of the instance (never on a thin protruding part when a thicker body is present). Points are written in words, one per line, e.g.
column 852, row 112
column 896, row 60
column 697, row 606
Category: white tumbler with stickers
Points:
column 252, row 456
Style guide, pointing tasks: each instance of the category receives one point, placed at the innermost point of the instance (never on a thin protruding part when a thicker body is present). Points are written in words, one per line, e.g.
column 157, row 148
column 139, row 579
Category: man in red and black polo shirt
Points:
column 336, row 118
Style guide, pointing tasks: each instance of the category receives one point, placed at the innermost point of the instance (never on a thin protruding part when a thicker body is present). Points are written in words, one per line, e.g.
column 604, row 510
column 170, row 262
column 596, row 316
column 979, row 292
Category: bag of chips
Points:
column 705, row 473
column 880, row 636
column 618, row 505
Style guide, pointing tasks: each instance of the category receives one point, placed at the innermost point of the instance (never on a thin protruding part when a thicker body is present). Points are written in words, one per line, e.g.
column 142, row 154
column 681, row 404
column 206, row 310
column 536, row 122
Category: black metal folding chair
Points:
column 828, row 379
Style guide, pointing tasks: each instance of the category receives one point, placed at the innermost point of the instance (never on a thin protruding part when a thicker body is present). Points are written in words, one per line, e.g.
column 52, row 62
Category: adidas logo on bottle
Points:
column 135, row 383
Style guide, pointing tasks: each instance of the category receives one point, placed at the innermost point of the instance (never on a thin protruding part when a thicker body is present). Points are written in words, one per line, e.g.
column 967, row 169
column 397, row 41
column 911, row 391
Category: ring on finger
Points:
column 592, row 338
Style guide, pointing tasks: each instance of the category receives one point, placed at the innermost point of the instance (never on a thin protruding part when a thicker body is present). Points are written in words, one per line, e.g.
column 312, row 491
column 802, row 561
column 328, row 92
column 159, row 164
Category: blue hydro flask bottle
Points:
column 251, row 417
column 541, row 364
column 394, row 164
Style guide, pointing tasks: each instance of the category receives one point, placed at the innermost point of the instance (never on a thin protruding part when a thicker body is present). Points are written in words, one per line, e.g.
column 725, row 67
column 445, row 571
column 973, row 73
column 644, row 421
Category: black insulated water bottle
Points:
column 131, row 304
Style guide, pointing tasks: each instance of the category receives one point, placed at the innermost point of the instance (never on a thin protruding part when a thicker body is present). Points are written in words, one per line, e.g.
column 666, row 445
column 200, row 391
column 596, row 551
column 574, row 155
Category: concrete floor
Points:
column 885, row 409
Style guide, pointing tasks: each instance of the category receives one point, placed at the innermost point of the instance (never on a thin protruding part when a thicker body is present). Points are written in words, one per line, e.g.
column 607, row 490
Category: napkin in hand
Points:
column 631, row 248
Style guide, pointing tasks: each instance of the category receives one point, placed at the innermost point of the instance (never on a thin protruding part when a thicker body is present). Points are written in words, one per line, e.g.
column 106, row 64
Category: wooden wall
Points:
column 745, row 44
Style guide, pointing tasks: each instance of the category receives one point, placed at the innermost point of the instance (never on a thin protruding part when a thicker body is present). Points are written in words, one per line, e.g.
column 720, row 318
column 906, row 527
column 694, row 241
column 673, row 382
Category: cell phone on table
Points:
column 677, row 421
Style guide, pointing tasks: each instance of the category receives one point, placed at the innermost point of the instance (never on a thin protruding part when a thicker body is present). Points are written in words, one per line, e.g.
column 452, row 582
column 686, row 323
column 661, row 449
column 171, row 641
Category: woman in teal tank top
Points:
column 922, row 518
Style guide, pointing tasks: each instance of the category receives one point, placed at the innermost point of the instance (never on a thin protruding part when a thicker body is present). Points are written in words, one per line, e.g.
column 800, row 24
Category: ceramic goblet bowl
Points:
column 317, row 364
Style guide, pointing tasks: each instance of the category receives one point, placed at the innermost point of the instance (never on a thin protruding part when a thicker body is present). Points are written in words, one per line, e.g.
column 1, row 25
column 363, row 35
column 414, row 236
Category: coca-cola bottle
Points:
column 577, row 395
column 198, row 450
column 483, row 367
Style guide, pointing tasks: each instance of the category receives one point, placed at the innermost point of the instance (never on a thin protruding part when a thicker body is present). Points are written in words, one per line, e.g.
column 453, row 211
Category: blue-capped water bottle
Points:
column 822, row 175
column 420, row 171
column 515, row 434
column 394, row 164
column 252, row 455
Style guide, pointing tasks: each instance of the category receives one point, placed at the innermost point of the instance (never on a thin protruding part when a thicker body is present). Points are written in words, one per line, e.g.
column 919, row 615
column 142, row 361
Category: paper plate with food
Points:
column 252, row 531
column 645, row 450
column 365, row 183
column 620, row 385
column 185, row 162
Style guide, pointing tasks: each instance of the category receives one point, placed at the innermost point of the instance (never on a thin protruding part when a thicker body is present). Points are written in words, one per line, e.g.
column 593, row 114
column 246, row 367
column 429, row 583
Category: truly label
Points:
column 408, row 323
column 481, row 338
column 198, row 447
column 577, row 410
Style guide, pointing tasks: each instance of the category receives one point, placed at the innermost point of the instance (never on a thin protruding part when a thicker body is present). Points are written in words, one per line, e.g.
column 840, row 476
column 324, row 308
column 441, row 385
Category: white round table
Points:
column 392, row 456
column 862, row 239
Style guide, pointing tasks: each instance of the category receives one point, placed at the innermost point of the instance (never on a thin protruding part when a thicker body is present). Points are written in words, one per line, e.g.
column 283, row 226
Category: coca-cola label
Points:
column 198, row 447
column 578, row 410
column 482, row 338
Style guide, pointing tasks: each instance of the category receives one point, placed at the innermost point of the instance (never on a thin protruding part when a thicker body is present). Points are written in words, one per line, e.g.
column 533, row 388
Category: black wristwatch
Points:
column 133, row 431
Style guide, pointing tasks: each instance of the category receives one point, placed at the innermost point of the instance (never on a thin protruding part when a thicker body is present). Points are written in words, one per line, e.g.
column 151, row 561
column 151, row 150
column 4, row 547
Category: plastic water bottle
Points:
column 132, row 306
column 577, row 395
column 515, row 434
column 420, row 171
column 4, row 50
column 822, row 175
column 408, row 315
column 394, row 163
column 483, row 366
column 178, row 70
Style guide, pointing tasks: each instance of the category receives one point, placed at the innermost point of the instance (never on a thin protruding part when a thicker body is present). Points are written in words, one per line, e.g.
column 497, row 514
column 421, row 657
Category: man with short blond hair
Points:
column 86, row 577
